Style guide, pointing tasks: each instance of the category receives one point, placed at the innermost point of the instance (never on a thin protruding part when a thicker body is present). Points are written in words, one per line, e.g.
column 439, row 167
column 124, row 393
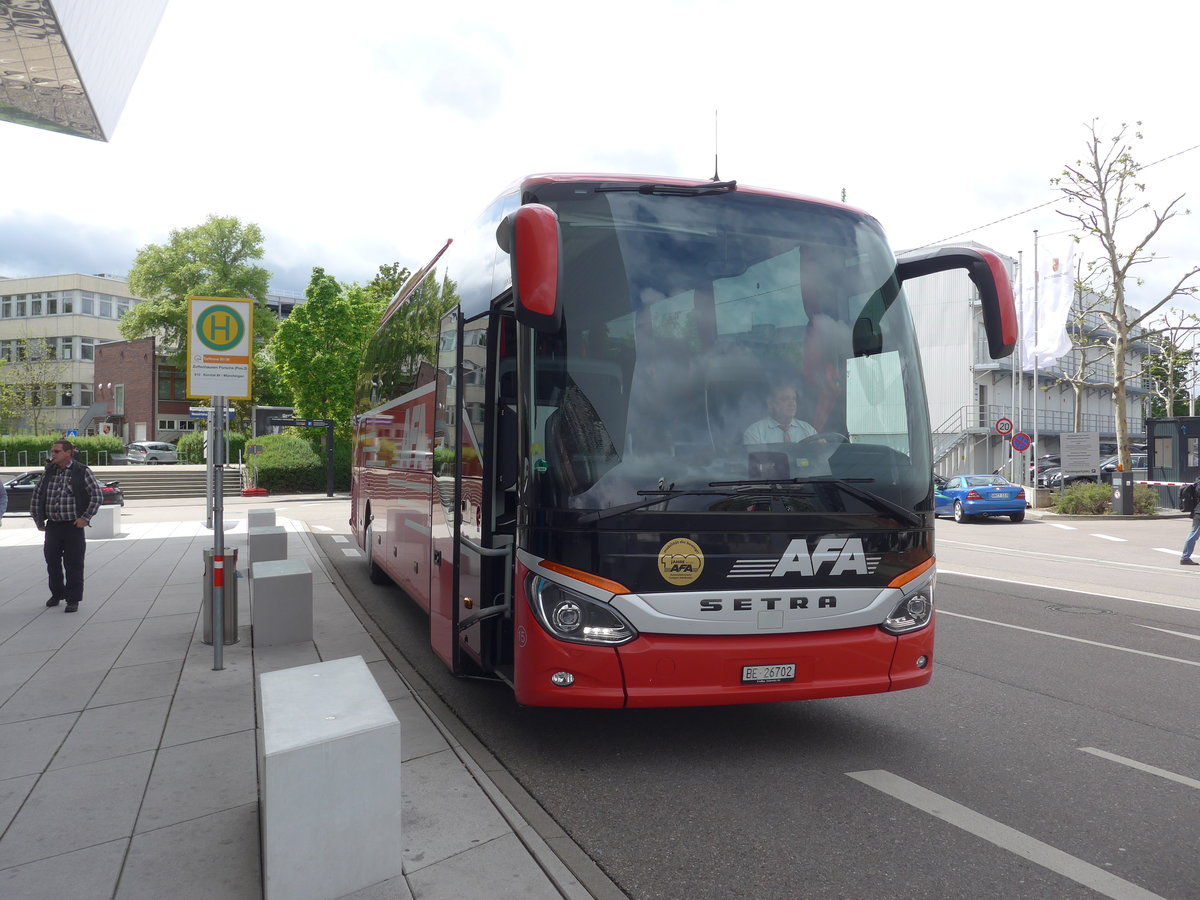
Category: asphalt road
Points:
column 1056, row 753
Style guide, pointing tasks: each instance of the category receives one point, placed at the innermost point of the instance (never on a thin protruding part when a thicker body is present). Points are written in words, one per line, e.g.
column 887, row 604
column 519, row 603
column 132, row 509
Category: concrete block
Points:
column 330, row 814
column 281, row 602
column 267, row 542
column 260, row 518
column 106, row 524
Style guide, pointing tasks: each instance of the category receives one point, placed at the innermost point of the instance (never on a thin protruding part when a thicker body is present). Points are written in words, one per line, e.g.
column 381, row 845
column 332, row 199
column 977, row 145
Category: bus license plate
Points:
column 768, row 674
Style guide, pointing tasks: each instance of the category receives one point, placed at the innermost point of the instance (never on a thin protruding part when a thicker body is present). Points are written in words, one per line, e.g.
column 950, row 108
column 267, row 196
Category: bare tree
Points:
column 32, row 380
column 1103, row 192
column 1170, row 368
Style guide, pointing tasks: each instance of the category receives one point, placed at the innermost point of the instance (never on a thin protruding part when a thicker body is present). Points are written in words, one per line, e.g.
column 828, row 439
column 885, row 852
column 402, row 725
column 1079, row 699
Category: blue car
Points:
column 968, row 496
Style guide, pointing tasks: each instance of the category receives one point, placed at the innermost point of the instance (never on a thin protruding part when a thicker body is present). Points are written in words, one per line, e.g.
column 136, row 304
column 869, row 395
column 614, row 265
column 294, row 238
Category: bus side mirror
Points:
column 531, row 238
column 991, row 279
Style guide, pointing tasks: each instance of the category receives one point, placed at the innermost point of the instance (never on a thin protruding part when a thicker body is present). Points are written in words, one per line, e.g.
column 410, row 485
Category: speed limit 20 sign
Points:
column 1004, row 427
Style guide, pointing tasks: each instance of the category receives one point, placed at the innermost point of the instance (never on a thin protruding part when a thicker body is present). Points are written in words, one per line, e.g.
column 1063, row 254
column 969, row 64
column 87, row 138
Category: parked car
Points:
column 20, row 492
column 1054, row 477
column 151, row 453
column 968, row 496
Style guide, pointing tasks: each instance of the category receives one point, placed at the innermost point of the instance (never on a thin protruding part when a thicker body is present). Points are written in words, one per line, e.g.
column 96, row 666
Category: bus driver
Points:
column 781, row 425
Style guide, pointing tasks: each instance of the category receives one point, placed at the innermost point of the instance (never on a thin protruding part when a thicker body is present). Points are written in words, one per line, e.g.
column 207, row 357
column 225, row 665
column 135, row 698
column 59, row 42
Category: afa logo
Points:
column 680, row 561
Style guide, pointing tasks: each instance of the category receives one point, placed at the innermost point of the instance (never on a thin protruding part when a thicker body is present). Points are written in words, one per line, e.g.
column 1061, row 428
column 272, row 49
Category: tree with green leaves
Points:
column 318, row 347
column 414, row 327
column 1103, row 193
column 216, row 259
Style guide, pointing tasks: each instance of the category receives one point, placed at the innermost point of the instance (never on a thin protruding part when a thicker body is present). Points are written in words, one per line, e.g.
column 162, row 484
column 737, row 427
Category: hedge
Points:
column 1086, row 498
column 92, row 449
column 286, row 465
column 191, row 446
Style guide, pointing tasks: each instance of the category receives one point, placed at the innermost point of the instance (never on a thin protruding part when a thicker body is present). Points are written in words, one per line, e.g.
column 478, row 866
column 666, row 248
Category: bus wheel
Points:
column 959, row 515
column 374, row 572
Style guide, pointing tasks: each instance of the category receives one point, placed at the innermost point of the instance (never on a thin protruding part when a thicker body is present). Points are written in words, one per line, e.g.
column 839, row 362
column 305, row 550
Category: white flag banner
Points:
column 1044, row 323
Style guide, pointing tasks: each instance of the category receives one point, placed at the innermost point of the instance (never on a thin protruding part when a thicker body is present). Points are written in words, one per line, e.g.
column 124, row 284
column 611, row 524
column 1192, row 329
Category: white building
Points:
column 969, row 392
column 65, row 316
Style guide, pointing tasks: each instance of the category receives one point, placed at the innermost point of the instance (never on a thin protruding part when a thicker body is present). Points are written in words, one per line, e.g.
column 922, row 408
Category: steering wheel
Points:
column 829, row 437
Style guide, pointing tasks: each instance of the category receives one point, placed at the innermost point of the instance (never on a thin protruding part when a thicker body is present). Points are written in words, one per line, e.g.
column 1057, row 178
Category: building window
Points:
column 22, row 306
column 66, row 395
column 67, row 349
column 35, row 304
column 87, row 303
column 172, row 385
column 105, row 306
column 122, row 306
column 6, row 307
column 52, row 303
column 119, row 400
column 87, row 348
column 187, row 424
column 68, row 302
column 86, row 397
column 166, row 424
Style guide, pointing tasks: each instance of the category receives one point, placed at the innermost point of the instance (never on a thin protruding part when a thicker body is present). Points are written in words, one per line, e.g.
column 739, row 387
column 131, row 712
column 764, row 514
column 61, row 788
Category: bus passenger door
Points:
column 471, row 535
column 444, row 591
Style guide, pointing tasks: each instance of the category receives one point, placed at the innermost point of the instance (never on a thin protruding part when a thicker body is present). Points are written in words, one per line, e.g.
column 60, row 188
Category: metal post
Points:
column 216, row 462
column 1037, row 389
column 329, row 459
column 208, row 470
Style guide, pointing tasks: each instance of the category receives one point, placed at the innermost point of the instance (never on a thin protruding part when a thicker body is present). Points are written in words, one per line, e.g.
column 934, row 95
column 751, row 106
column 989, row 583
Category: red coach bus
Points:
column 673, row 450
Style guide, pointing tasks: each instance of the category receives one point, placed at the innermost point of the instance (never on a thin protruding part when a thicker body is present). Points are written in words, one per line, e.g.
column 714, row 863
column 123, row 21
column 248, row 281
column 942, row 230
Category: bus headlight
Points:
column 570, row 616
column 910, row 614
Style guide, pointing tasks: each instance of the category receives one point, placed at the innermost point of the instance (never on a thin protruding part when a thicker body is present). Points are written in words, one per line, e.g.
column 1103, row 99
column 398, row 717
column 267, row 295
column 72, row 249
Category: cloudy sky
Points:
column 366, row 133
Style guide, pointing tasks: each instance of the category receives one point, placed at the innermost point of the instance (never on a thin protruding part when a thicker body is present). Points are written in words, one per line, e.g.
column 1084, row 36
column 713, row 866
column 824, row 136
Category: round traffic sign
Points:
column 1021, row 442
column 1004, row 426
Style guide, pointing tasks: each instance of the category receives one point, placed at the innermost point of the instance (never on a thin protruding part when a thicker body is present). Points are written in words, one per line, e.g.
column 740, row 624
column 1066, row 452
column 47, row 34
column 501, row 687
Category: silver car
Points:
column 151, row 453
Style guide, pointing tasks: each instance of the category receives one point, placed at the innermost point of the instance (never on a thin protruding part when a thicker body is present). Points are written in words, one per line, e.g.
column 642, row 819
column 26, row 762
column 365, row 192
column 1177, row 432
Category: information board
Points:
column 1080, row 454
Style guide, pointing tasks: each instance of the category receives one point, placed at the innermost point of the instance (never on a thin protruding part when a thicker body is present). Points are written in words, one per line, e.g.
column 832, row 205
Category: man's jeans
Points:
column 1190, row 544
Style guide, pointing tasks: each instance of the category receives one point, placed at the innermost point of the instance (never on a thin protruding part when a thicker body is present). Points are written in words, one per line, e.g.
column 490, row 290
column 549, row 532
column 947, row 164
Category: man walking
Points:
column 66, row 498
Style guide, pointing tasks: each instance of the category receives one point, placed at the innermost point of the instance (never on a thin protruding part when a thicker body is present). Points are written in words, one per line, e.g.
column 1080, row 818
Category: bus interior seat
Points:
column 735, row 396
column 578, row 447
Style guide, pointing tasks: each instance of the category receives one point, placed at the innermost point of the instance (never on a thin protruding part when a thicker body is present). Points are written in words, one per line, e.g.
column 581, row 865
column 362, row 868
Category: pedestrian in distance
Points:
column 1188, row 498
column 65, row 500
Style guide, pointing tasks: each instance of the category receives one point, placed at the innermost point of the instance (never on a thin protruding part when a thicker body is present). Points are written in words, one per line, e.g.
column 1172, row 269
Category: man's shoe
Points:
column 53, row 601
column 1188, row 562
column 71, row 607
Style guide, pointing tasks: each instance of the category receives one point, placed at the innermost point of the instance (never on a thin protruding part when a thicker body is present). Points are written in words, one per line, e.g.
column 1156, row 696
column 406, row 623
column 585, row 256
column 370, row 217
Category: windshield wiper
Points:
column 674, row 190
column 849, row 485
column 658, row 497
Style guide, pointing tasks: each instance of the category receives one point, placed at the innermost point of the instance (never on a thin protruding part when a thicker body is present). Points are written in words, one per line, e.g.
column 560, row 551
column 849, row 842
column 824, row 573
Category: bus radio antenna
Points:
column 716, row 144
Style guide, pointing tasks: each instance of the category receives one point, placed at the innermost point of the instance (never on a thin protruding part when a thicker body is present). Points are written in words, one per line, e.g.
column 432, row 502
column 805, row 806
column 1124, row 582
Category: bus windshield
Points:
column 731, row 351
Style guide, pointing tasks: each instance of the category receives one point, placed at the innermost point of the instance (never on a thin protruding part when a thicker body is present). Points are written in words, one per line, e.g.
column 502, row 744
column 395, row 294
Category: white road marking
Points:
column 1105, row 537
column 351, row 551
column 322, row 528
column 1166, row 550
column 1067, row 637
column 1063, row 527
column 340, row 539
column 1002, row 835
column 1194, row 637
column 1134, row 764
column 1066, row 590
